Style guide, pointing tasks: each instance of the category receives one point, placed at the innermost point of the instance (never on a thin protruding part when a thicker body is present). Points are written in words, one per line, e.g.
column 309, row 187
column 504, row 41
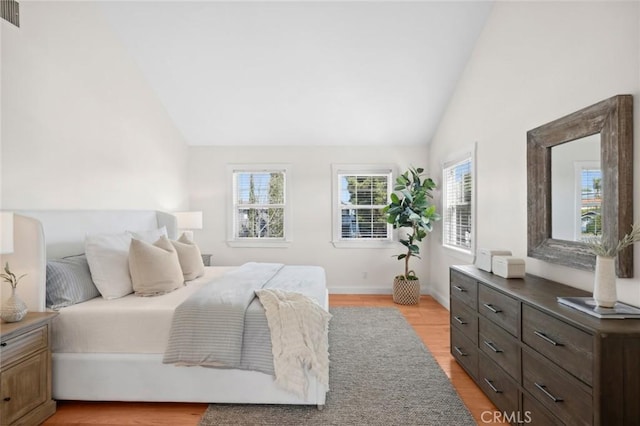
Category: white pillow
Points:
column 108, row 258
column 149, row 236
column 189, row 257
column 155, row 268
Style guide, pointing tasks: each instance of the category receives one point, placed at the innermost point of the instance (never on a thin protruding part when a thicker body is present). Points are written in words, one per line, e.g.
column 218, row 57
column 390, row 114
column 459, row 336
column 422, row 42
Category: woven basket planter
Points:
column 406, row 292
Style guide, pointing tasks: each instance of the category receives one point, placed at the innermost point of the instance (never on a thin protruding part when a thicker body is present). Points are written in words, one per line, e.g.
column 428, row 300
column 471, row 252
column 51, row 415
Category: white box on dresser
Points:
column 508, row 266
column 485, row 256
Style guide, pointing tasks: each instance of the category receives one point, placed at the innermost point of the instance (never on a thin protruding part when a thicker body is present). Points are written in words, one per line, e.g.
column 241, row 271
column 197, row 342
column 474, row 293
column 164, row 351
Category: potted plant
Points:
column 14, row 309
column 412, row 209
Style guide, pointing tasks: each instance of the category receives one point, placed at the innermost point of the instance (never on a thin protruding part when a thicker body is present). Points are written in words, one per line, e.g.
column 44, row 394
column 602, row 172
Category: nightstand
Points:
column 25, row 370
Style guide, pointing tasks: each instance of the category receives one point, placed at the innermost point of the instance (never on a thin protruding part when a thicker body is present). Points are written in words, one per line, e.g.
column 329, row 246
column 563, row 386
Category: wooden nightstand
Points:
column 25, row 370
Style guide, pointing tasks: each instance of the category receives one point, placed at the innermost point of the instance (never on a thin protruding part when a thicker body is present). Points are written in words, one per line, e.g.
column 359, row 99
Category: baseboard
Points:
column 368, row 290
column 360, row 290
column 441, row 299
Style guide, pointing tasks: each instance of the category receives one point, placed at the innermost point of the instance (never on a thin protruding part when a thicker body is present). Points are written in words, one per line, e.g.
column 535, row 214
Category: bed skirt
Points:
column 143, row 377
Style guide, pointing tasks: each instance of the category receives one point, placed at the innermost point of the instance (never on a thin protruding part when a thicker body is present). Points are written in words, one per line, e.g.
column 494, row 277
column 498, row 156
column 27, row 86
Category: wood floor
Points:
column 429, row 319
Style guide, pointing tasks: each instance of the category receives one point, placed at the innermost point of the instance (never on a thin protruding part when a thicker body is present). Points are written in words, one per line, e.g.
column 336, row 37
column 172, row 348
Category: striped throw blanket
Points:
column 207, row 328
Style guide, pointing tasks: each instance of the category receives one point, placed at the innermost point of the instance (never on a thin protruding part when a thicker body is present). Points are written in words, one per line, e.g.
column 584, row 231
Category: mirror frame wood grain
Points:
column 613, row 120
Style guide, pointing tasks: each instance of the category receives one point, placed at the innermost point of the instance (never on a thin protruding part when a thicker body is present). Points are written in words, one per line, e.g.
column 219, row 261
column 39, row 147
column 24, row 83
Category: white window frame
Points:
column 467, row 156
column 338, row 170
column 232, row 239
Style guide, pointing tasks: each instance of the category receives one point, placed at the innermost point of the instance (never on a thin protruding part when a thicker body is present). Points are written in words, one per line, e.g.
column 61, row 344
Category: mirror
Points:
column 610, row 121
column 576, row 189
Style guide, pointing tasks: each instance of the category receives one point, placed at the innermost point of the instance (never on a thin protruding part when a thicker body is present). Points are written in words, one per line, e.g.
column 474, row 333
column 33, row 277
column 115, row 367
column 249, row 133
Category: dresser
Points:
column 25, row 370
column 541, row 362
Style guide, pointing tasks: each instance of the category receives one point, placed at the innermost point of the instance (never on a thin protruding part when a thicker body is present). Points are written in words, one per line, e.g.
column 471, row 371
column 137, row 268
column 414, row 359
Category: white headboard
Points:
column 49, row 234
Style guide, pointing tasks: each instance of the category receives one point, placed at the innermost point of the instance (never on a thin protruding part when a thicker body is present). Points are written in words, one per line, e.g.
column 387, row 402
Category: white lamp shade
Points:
column 6, row 232
column 189, row 220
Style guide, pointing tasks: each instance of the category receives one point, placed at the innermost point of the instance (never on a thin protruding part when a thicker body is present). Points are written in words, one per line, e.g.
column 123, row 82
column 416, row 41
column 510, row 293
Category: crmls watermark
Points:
column 514, row 417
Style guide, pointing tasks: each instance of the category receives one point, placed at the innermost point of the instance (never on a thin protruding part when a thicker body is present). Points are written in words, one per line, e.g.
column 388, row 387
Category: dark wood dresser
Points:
column 541, row 362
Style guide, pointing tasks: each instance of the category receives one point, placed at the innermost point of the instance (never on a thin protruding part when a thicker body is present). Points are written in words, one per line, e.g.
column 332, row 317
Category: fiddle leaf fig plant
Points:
column 411, row 208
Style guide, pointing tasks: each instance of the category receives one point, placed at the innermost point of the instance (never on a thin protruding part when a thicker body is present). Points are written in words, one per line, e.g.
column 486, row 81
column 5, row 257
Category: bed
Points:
column 112, row 350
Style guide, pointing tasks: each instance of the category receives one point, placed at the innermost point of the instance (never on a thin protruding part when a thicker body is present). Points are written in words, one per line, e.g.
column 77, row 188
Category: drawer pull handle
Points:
column 491, row 308
column 491, row 346
column 493, row 388
column 543, row 388
column 8, row 398
column 546, row 338
column 460, row 289
column 3, row 344
column 460, row 320
column 460, row 352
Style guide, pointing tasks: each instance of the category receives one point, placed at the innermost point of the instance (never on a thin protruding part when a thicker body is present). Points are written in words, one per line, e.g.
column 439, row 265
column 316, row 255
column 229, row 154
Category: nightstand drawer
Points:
column 464, row 319
column 562, row 394
column 499, row 308
column 560, row 342
column 465, row 289
column 501, row 347
column 497, row 385
column 24, row 388
column 23, row 345
column 465, row 352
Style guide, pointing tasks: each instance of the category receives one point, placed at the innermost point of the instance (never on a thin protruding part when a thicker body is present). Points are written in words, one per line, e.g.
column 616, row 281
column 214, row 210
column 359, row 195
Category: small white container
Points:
column 508, row 267
column 484, row 257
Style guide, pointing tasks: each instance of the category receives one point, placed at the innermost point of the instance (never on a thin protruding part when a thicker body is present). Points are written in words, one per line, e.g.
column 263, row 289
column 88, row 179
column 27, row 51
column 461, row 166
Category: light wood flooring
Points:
column 429, row 319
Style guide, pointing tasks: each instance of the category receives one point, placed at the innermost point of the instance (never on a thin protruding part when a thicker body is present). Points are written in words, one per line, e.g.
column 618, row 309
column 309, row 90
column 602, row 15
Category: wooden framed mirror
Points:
column 612, row 120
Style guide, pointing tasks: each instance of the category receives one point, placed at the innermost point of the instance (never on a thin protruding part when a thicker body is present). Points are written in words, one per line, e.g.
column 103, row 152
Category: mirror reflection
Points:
column 576, row 191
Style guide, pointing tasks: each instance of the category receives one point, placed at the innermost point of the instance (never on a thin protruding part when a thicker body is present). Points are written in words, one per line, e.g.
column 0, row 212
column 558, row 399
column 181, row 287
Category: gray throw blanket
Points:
column 208, row 327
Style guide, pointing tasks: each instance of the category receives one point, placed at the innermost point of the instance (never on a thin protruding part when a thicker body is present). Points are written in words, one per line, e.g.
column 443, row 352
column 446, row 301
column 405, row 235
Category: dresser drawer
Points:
column 499, row 308
column 23, row 345
column 497, row 385
column 562, row 394
column 501, row 347
column 465, row 352
column 562, row 343
column 465, row 289
column 464, row 319
column 534, row 413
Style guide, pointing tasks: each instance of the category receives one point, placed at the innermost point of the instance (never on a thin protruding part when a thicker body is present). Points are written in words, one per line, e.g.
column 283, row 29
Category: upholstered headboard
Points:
column 48, row 234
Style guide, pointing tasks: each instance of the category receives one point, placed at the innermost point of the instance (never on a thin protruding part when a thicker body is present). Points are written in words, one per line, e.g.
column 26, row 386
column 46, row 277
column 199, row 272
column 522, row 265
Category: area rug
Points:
column 380, row 374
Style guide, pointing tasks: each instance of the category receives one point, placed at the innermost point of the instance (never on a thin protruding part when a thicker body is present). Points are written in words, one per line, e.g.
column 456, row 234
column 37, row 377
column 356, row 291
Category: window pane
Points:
column 364, row 190
column 363, row 223
column 260, row 223
column 260, row 187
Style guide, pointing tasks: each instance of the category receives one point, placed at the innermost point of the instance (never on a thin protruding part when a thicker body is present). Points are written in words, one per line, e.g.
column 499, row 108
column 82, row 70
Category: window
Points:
column 360, row 193
column 457, row 199
column 260, row 213
column 589, row 194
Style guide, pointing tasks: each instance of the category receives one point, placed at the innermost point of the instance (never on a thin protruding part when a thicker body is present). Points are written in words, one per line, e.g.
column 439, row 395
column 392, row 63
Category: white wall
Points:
column 310, row 182
column 80, row 126
column 534, row 62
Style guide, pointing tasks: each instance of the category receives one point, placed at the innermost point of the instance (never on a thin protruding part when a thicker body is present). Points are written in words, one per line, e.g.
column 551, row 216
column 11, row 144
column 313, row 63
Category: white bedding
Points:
column 141, row 325
column 131, row 324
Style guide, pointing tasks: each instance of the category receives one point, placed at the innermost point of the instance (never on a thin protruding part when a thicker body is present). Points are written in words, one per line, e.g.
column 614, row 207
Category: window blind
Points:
column 457, row 204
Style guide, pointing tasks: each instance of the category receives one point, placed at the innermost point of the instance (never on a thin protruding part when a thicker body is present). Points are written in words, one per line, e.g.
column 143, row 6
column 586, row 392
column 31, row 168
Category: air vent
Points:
column 10, row 10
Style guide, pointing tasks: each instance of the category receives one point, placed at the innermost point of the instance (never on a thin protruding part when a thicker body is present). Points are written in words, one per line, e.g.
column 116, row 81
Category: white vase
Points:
column 13, row 309
column 604, row 286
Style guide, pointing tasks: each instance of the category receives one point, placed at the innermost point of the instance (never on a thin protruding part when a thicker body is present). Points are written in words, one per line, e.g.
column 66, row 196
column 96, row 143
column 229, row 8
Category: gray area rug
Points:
column 380, row 374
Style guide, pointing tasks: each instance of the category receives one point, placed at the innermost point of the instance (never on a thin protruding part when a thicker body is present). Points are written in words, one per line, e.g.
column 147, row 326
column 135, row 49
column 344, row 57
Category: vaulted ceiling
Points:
column 295, row 73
